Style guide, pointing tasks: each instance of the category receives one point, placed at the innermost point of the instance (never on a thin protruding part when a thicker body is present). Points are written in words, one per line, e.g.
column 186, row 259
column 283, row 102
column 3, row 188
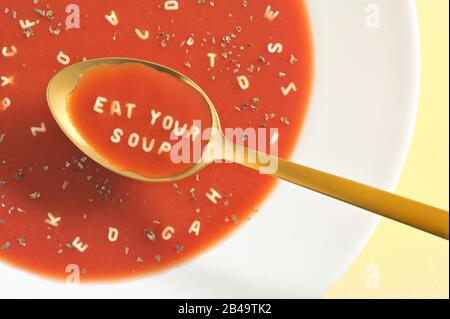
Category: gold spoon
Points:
column 421, row 216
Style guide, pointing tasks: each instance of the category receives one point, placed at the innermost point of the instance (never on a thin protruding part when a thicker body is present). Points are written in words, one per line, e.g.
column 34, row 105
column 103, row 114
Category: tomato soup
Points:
column 61, row 212
column 140, row 119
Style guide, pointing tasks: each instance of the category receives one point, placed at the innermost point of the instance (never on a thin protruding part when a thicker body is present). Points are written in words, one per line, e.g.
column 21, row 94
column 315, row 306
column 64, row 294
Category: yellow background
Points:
column 412, row 264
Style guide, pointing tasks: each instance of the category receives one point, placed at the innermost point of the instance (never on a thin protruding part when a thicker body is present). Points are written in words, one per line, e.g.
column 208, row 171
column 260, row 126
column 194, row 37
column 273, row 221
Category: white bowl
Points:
column 359, row 125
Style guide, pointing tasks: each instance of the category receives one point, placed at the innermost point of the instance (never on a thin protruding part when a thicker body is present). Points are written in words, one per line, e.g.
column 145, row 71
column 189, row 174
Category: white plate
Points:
column 359, row 125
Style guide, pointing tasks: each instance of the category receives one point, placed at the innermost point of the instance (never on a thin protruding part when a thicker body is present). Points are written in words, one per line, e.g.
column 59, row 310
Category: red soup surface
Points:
column 140, row 119
column 58, row 208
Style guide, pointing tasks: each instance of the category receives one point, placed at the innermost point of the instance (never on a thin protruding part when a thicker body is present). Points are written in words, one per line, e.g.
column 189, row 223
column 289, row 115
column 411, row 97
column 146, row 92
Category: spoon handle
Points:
column 418, row 215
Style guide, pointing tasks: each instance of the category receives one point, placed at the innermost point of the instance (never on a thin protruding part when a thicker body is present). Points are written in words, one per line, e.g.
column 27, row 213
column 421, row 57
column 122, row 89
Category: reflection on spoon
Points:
column 190, row 104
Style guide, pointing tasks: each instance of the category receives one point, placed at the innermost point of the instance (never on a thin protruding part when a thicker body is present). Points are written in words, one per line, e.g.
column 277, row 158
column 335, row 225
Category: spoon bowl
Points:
column 64, row 83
